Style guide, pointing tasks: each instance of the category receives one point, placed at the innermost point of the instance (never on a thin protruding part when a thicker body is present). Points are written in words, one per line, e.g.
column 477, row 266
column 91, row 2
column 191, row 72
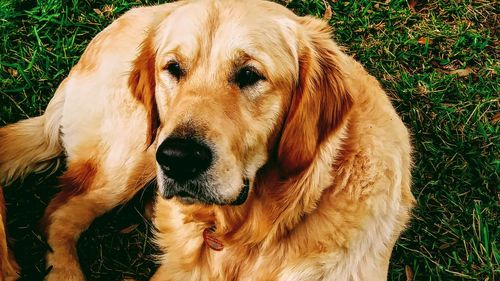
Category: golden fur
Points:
column 326, row 155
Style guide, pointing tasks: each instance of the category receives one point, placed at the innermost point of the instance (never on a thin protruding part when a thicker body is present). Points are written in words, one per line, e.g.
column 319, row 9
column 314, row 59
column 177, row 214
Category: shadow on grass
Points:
column 116, row 246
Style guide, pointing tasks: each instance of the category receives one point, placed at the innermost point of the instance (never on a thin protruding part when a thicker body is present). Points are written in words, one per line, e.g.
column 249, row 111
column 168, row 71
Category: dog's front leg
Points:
column 88, row 192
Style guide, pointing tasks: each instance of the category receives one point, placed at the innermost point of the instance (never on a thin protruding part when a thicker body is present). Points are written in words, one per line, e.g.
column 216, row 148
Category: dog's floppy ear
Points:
column 142, row 85
column 320, row 101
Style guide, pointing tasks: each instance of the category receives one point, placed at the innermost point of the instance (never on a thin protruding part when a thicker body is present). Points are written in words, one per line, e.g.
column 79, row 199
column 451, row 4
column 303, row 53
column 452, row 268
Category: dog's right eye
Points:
column 247, row 76
column 174, row 69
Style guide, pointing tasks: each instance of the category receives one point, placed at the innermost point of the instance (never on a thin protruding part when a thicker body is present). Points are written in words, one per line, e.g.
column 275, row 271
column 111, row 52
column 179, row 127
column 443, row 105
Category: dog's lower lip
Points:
column 187, row 200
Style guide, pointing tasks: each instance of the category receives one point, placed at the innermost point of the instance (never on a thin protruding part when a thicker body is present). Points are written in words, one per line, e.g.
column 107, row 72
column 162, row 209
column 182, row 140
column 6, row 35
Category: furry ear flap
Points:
column 320, row 101
column 142, row 85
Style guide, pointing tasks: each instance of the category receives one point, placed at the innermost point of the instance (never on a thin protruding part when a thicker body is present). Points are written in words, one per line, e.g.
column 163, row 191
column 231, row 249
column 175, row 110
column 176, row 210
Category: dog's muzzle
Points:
column 184, row 162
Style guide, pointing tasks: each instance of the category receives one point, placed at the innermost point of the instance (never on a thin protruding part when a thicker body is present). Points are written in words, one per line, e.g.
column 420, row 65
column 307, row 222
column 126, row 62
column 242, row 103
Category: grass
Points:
column 438, row 60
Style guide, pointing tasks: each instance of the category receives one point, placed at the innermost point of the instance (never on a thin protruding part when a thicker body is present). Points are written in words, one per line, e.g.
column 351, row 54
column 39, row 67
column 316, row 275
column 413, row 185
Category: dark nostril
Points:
column 183, row 159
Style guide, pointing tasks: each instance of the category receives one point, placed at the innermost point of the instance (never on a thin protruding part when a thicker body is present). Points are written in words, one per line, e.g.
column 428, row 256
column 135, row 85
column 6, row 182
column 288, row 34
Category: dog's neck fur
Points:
column 272, row 212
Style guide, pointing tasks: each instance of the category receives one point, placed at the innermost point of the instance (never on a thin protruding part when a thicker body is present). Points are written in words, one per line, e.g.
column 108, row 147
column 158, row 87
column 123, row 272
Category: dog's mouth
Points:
column 242, row 197
column 190, row 196
column 186, row 198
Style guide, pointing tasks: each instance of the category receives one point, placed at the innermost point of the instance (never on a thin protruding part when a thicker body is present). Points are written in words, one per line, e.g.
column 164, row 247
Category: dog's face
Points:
column 224, row 85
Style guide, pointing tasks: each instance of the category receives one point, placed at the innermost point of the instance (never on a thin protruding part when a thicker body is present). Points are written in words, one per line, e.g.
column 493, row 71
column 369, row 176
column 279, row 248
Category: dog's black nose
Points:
column 183, row 159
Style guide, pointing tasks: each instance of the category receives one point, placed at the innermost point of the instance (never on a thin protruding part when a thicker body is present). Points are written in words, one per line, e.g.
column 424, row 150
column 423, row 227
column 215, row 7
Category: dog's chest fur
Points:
column 347, row 236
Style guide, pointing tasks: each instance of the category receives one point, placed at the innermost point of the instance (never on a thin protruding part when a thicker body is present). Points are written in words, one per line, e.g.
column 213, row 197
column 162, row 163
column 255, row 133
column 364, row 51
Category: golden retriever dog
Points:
column 276, row 155
column 8, row 266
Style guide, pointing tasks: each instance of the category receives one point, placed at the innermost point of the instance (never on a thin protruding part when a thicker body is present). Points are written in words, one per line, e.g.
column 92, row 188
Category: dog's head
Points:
column 231, row 86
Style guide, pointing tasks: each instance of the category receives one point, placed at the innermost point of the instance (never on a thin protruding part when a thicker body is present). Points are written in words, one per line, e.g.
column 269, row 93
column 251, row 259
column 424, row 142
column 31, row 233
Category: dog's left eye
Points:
column 247, row 76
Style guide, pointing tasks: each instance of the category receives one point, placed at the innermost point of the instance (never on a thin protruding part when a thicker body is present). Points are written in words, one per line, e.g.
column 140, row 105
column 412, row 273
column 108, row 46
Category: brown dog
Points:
column 278, row 157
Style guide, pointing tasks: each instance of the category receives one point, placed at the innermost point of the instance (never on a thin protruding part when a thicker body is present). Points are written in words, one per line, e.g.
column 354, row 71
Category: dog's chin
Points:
column 187, row 198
